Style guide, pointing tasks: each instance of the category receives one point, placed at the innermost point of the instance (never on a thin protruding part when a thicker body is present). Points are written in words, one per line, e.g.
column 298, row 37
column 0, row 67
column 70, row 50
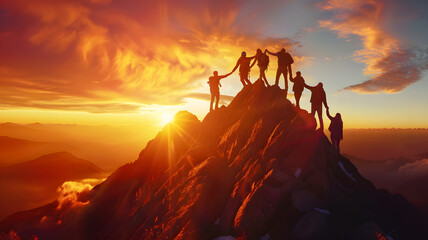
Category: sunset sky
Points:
column 138, row 62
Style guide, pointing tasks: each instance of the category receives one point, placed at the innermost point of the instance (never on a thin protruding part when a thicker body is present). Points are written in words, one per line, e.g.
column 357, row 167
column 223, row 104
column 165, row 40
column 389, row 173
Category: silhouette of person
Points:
column 317, row 99
column 262, row 60
column 336, row 129
column 244, row 68
column 284, row 62
column 214, row 82
column 298, row 87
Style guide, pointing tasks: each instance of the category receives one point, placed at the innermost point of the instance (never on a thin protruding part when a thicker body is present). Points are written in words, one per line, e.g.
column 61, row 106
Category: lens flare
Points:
column 167, row 118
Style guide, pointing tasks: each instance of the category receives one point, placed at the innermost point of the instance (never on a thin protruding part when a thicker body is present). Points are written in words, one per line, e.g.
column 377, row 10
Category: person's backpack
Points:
column 264, row 61
column 290, row 59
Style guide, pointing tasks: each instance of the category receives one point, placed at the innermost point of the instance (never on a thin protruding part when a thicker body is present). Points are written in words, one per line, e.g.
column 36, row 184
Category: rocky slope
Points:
column 256, row 169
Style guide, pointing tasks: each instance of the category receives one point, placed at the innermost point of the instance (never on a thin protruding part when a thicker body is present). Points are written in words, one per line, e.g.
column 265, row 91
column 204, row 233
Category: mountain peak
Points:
column 58, row 165
column 254, row 168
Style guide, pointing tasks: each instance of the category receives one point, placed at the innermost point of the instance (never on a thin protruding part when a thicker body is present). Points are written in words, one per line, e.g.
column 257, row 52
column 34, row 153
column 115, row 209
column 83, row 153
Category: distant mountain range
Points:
column 15, row 150
column 23, row 142
column 406, row 175
column 59, row 166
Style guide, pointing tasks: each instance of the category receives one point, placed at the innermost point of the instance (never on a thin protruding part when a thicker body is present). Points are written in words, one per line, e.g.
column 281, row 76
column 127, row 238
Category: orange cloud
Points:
column 116, row 56
column 391, row 67
column 71, row 191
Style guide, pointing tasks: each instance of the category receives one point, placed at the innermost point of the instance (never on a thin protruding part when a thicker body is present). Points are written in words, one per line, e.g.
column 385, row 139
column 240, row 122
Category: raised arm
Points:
column 271, row 53
column 236, row 66
column 328, row 115
column 308, row 87
column 225, row 76
column 324, row 100
column 254, row 62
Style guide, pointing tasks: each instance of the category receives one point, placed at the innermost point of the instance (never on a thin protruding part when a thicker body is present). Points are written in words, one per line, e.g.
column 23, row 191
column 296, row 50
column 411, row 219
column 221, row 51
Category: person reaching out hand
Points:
column 336, row 129
column 214, row 82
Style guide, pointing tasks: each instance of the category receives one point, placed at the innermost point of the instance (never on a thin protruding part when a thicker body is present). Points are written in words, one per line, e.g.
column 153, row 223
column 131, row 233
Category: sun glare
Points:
column 167, row 118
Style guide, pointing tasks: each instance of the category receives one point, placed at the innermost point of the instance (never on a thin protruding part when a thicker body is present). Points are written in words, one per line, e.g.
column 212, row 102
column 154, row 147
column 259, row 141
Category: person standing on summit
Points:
column 244, row 68
column 284, row 62
column 336, row 129
column 262, row 62
column 317, row 99
column 214, row 82
column 298, row 87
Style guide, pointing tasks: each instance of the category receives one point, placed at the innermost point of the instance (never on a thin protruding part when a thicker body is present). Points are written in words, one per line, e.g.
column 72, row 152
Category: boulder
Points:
column 305, row 201
column 255, row 214
column 312, row 226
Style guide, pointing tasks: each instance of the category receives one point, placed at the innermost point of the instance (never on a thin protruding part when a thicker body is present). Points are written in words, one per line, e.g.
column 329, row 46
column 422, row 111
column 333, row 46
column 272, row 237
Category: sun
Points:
column 167, row 118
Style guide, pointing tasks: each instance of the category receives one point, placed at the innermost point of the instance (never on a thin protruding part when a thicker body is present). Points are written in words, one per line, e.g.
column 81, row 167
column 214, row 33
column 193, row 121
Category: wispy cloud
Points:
column 224, row 99
column 415, row 169
column 390, row 66
column 113, row 53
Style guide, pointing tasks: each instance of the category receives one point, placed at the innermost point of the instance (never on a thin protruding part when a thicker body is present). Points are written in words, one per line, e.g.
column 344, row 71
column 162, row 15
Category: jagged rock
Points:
column 367, row 231
column 305, row 201
column 241, row 190
column 312, row 226
column 259, row 207
column 318, row 183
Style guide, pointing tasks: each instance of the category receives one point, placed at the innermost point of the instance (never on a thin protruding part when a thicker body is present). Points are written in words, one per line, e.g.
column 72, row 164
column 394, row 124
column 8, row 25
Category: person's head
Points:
column 243, row 54
column 259, row 51
column 338, row 116
column 320, row 85
column 282, row 50
column 298, row 73
column 215, row 73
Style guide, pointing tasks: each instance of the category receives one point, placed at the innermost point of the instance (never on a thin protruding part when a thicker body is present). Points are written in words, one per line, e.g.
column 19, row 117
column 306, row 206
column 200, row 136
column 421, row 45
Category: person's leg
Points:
column 319, row 110
column 247, row 80
column 217, row 96
column 313, row 110
column 212, row 100
column 263, row 76
column 336, row 141
column 278, row 74
column 297, row 96
column 284, row 73
column 338, row 145
column 242, row 79
column 333, row 141
column 265, row 79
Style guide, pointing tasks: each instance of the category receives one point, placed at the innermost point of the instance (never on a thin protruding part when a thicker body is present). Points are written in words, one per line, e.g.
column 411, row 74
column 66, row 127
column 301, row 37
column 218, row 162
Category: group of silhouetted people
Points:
column 318, row 96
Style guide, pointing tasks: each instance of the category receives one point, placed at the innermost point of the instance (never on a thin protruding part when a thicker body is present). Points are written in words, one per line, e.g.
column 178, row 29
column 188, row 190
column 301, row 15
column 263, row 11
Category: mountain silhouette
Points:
column 16, row 150
column 32, row 183
column 255, row 169
column 58, row 165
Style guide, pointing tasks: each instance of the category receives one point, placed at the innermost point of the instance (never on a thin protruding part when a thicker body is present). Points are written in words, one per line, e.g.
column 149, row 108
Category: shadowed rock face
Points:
column 255, row 168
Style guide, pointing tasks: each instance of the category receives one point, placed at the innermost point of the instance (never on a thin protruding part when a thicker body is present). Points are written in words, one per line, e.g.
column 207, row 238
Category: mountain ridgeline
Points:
column 254, row 169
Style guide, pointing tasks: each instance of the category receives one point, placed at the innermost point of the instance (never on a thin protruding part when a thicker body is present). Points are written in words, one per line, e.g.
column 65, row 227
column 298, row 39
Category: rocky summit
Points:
column 256, row 169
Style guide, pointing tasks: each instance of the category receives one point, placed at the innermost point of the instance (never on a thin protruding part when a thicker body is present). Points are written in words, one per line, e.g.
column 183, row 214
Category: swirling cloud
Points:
column 116, row 56
column 391, row 66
